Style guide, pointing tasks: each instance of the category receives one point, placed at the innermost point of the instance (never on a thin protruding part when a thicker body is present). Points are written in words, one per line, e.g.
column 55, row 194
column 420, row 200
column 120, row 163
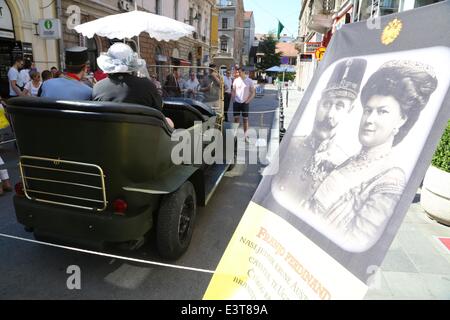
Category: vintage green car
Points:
column 98, row 173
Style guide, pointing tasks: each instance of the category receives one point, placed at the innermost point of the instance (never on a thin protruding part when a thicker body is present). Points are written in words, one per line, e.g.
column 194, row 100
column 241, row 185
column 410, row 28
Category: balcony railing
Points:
column 321, row 19
column 224, row 54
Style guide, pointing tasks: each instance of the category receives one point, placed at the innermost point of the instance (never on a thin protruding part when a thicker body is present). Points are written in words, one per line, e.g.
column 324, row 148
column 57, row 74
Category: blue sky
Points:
column 267, row 12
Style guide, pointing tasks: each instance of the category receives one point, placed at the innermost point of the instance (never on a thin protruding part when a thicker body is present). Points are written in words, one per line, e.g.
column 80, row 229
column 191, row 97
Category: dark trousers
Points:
column 226, row 100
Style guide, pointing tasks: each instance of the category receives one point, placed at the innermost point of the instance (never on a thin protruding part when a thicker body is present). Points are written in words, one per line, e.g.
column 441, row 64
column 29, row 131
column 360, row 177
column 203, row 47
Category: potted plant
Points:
column 435, row 196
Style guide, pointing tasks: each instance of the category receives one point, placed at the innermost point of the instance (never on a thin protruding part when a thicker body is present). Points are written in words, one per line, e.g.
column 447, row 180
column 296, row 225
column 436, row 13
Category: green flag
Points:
column 280, row 28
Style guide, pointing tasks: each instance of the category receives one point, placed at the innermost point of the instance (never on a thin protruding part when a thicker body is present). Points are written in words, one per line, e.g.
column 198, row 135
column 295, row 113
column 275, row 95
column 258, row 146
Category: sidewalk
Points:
column 417, row 265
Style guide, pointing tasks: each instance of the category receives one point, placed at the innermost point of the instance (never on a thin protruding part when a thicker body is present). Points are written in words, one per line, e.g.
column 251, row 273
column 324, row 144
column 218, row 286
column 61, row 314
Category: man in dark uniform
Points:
column 309, row 159
column 69, row 86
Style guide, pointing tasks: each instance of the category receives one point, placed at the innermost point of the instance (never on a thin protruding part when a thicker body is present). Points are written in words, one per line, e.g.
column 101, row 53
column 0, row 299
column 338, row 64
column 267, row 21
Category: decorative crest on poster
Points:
column 391, row 32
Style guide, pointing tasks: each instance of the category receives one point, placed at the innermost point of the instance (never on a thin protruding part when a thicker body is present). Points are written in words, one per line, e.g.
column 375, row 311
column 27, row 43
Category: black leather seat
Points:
column 131, row 143
column 182, row 114
column 200, row 106
column 107, row 111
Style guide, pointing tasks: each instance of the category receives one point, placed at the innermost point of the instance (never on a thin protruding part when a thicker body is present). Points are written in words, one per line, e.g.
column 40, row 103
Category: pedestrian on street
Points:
column 227, row 82
column 14, row 78
column 54, row 71
column 5, row 183
column 243, row 93
column 154, row 79
column 45, row 75
column 172, row 84
column 24, row 74
column 69, row 85
column 191, row 86
column 32, row 87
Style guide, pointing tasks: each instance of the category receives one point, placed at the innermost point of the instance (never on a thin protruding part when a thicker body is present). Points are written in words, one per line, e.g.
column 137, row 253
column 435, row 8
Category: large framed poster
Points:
column 349, row 166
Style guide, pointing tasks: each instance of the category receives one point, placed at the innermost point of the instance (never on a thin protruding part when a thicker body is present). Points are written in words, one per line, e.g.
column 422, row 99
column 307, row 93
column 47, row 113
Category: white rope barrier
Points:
column 174, row 266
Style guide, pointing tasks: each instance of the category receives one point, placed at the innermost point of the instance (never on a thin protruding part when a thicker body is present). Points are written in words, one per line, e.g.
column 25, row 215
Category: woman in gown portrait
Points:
column 356, row 200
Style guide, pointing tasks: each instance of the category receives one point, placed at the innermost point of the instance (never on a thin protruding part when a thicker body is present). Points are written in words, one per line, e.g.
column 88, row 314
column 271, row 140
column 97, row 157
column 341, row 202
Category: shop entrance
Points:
column 6, row 59
column 7, row 44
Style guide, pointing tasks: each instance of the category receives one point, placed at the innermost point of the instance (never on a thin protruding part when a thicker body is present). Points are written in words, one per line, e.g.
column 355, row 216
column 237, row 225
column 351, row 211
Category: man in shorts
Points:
column 243, row 93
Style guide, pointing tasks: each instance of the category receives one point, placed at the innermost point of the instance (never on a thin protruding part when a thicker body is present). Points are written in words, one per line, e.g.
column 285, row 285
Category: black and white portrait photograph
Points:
column 354, row 148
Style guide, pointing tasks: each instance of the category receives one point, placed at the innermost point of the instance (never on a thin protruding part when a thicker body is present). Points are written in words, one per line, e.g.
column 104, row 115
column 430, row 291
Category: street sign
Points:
column 305, row 57
column 49, row 28
column 284, row 60
column 319, row 53
column 311, row 47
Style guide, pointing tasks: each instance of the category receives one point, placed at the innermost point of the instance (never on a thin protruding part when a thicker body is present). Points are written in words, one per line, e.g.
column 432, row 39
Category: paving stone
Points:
column 431, row 263
column 438, row 285
column 397, row 260
column 404, row 285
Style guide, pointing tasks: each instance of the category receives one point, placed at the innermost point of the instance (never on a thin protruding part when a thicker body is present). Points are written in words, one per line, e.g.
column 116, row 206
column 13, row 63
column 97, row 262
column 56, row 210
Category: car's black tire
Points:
column 175, row 222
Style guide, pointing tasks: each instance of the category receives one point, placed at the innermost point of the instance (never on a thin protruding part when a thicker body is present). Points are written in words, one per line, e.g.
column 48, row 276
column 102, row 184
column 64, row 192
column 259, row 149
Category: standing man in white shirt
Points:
column 13, row 78
column 243, row 93
column 227, row 92
column 191, row 86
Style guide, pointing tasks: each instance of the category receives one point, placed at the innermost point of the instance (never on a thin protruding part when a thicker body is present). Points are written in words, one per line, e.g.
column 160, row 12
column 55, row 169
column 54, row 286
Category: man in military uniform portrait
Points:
column 309, row 159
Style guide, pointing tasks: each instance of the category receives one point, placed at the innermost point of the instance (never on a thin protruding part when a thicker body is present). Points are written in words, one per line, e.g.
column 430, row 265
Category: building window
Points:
column 175, row 9
column 91, row 44
column 199, row 24
column 224, row 44
column 191, row 16
column 158, row 6
column 224, row 23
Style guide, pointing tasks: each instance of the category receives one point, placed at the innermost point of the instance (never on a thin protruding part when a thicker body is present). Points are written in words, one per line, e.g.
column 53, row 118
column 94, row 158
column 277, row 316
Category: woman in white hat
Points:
column 123, row 65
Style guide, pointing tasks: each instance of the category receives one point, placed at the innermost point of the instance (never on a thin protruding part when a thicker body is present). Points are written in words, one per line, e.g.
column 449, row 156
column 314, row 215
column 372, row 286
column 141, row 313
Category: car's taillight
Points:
column 19, row 189
column 120, row 206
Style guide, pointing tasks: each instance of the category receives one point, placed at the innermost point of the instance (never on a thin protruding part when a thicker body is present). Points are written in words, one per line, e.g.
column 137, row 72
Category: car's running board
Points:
column 149, row 191
column 213, row 175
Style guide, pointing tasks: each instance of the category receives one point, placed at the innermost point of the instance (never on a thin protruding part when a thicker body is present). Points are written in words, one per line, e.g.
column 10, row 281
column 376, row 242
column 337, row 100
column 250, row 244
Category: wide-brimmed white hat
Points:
column 120, row 58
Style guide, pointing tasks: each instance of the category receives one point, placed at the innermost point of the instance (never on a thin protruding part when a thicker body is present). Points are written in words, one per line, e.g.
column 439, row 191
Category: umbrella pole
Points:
column 138, row 43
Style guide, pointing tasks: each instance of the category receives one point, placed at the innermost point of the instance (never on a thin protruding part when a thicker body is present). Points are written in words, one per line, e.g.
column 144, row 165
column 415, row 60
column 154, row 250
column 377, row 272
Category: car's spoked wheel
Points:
column 175, row 224
column 184, row 224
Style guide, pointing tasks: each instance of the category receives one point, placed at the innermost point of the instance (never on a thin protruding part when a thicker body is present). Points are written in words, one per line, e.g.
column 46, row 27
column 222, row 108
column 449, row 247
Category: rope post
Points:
column 287, row 97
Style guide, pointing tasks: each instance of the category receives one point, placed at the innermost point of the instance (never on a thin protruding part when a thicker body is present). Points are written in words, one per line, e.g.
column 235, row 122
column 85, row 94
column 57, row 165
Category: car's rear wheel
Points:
column 175, row 224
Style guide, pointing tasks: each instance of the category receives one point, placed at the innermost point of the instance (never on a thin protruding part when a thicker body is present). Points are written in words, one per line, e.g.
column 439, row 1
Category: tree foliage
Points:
column 441, row 158
column 270, row 58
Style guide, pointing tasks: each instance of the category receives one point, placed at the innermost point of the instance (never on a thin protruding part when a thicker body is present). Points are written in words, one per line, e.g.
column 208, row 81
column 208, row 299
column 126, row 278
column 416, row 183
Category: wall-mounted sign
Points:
column 311, row 47
column 49, row 28
column 6, row 23
column 319, row 53
column 305, row 58
column 20, row 48
column 160, row 58
column 284, row 60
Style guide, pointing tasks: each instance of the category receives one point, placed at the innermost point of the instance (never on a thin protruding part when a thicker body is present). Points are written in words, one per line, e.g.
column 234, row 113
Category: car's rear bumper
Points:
column 78, row 226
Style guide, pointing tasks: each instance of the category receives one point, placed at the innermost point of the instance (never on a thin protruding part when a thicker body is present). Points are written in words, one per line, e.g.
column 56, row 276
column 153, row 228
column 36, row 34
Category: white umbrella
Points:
column 131, row 24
